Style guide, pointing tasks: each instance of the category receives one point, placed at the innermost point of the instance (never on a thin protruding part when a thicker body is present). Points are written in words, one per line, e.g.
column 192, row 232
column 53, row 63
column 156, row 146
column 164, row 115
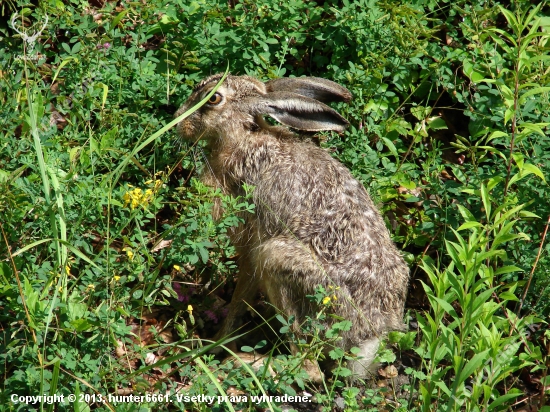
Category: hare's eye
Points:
column 216, row 98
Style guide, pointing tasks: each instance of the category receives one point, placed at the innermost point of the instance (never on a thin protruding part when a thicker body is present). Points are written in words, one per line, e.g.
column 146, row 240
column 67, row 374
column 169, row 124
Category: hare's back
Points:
column 309, row 193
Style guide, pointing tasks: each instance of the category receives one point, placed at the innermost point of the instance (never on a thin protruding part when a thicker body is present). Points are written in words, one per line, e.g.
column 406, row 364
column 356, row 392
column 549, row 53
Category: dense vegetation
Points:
column 113, row 273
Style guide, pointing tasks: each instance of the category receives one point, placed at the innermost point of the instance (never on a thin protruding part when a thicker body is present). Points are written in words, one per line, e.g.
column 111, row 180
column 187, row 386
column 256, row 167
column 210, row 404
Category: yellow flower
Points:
column 68, row 265
column 334, row 297
column 326, row 300
column 129, row 253
column 190, row 309
column 137, row 197
column 90, row 287
column 116, row 278
column 177, row 268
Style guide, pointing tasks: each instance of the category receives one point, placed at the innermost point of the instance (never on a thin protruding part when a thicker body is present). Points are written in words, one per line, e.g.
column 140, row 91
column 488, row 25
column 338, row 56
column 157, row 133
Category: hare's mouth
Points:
column 186, row 129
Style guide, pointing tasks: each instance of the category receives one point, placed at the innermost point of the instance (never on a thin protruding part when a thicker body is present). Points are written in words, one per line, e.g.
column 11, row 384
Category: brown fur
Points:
column 314, row 223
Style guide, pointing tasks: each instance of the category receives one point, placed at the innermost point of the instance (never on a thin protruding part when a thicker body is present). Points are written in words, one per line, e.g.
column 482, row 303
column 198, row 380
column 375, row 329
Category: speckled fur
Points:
column 314, row 223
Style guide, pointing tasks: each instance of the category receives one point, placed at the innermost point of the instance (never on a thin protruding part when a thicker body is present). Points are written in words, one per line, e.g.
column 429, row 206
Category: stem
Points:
column 534, row 266
column 20, row 287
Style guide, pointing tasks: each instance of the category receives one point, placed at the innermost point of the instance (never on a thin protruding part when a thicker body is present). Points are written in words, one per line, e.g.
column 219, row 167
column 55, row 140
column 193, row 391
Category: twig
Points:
column 534, row 267
column 16, row 273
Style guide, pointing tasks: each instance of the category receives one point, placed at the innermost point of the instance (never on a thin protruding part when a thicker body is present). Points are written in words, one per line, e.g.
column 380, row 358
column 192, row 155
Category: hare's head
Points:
column 240, row 103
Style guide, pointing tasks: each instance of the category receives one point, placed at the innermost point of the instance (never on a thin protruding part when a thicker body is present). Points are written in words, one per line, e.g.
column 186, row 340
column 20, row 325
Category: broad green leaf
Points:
column 469, row 225
column 508, row 114
column 508, row 296
column 518, row 159
column 492, row 182
column 505, row 398
column 508, row 269
column 535, row 170
column 105, row 92
column 474, row 363
column 526, row 214
column 469, row 71
column 437, row 123
column 496, row 134
column 509, row 214
column 486, row 201
column 108, row 139
column 512, row 21
column 508, row 238
column 466, row 214
column 118, row 18
column 533, row 92
column 447, row 307
column 390, row 146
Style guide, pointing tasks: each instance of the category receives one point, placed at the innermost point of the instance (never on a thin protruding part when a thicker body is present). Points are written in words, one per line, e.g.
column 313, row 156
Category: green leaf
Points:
column 508, row 296
column 204, row 255
column 437, row 123
column 527, row 214
column 508, row 269
column 504, row 398
column 474, row 363
column 420, row 112
column 492, row 182
column 65, row 61
column 508, row 115
column 81, row 325
column 447, row 307
column 469, row 225
column 496, row 134
column 533, row 92
column 390, row 146
column 512, row 21
column 466, row 214
column 108, row 139
column 105, row 93
column 469, row 71
column 486, row 201
column 535, row 170
column 118, row 18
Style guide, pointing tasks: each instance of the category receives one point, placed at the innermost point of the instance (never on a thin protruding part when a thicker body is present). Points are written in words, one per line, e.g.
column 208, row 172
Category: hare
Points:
column 314, row 223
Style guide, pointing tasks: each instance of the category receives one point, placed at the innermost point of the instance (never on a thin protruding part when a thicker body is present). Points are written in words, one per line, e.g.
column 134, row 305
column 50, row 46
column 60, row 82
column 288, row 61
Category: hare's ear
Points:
column 313, row 87
column 299, row 112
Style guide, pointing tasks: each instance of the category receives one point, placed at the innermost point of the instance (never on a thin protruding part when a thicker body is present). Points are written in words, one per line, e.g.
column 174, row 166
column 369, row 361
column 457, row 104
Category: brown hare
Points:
column 314, row 223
